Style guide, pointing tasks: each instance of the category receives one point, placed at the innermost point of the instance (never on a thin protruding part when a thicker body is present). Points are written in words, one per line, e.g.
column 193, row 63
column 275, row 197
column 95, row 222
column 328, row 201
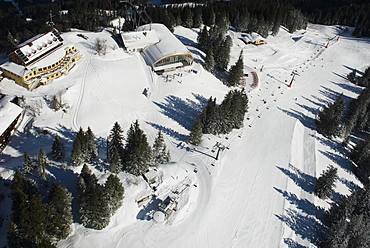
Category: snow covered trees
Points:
column 115, row 148
column 84, row 147
column 361, row 156
column 348, row 222
column 195, row 136
column 60, row 212
column 57, row 150
column 220, row 119
column 41, row 162
column 135, row 156
column 160, row 154
column 36, row 223
column 209, row 62
column 137, row 152
column 330, row 118
column 98, row 202
column 326, row 182
column 114, row 191
column 236, row 72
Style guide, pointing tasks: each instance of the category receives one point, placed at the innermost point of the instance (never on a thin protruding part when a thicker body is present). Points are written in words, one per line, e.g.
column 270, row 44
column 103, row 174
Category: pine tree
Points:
column 60, row 212
column 361, row 156
column 115, row 146
column 330, row 118
column 58, row 149
column 160, row 154
column 236, row 72
column 209, row 61
column 94, row 209
column 137, row 152
column 198, row 18
column 41, row 161
column 91, row 149
column 79, row 149
column 326, row 182
column 188, row 17
column 195, row 136
column 203, row 39
column 27, row 163
column 115, row 161
column 114, row 191
column 224, row 53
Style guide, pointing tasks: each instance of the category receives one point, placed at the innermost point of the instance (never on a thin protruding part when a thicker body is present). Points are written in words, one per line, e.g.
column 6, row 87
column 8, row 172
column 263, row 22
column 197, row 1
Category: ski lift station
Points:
column 161, row 50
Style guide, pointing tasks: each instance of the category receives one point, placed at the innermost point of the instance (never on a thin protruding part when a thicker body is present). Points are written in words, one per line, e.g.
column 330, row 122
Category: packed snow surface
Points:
column 259, row 192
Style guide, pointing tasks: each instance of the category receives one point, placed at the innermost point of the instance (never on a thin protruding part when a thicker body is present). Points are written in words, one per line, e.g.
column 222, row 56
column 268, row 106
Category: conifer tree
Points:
column 330, row 118
column 236, row 72
column 114, row 191
column 160, row 154
column 188, row 17
column 27, row 163
column 197, row 18
column 58, row 149
column 94, row 209
column 60, row 212
column 79, row 148
column 115, row 146
column 209, row 61
column 195, row 137
column 91, row 149
column 137, row 152
column 203, row 39
column 115, row 161
column 326, row 182
column 41, row 161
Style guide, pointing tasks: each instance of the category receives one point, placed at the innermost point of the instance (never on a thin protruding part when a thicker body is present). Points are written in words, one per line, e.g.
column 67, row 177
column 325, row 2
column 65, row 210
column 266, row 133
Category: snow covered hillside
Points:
column 259, row 193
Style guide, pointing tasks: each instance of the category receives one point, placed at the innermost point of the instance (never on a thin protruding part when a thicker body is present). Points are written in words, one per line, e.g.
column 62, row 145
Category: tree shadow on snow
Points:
column 303, row 180
column 293, row 244
column 339, row 159
column 174, row 134
column 305, row 226
column 349, row 87
column 32, row 141
column 304, row 119
column 69, row 180
column 302, row 204
column 184, row 112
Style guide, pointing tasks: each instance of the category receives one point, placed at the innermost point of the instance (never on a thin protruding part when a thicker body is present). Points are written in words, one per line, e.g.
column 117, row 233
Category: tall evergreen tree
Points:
column 41, row 161
column 60, row 212
column 195, row 136
column 160, row 154
column 209, row 62
column 94, row 209
column 330, row 118
column 27, row 163
column 91, row 149
column 137, row 152
column 58, row 149
column 79, row 148
column 326, row 182
column 114, row 192
column 115, row 146
column 236, row 72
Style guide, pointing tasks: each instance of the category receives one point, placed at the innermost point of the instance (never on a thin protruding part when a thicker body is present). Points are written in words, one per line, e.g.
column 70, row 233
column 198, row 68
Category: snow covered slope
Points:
column 259, row 194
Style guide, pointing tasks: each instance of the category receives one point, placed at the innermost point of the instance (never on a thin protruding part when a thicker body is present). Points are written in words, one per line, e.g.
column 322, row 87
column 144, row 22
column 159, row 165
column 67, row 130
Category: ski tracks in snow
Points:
column 80, row 96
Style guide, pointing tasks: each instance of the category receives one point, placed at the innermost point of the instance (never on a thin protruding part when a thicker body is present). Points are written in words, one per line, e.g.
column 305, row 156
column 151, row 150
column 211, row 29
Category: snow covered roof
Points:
column 8, row 113
column 139, row 39
column 14, row 68
column 251, row 37
column 168, row 44
column 37, row 46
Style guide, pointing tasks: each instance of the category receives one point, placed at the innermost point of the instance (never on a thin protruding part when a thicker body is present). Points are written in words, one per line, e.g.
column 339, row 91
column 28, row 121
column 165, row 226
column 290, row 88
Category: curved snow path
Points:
column 75, row 125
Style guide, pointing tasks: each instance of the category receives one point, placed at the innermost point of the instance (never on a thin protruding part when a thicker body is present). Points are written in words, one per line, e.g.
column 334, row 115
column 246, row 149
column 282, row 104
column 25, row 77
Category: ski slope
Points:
column 259, row 193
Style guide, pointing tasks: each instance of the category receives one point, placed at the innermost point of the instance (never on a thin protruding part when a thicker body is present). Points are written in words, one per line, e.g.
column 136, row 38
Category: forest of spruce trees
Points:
column 42, row 209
